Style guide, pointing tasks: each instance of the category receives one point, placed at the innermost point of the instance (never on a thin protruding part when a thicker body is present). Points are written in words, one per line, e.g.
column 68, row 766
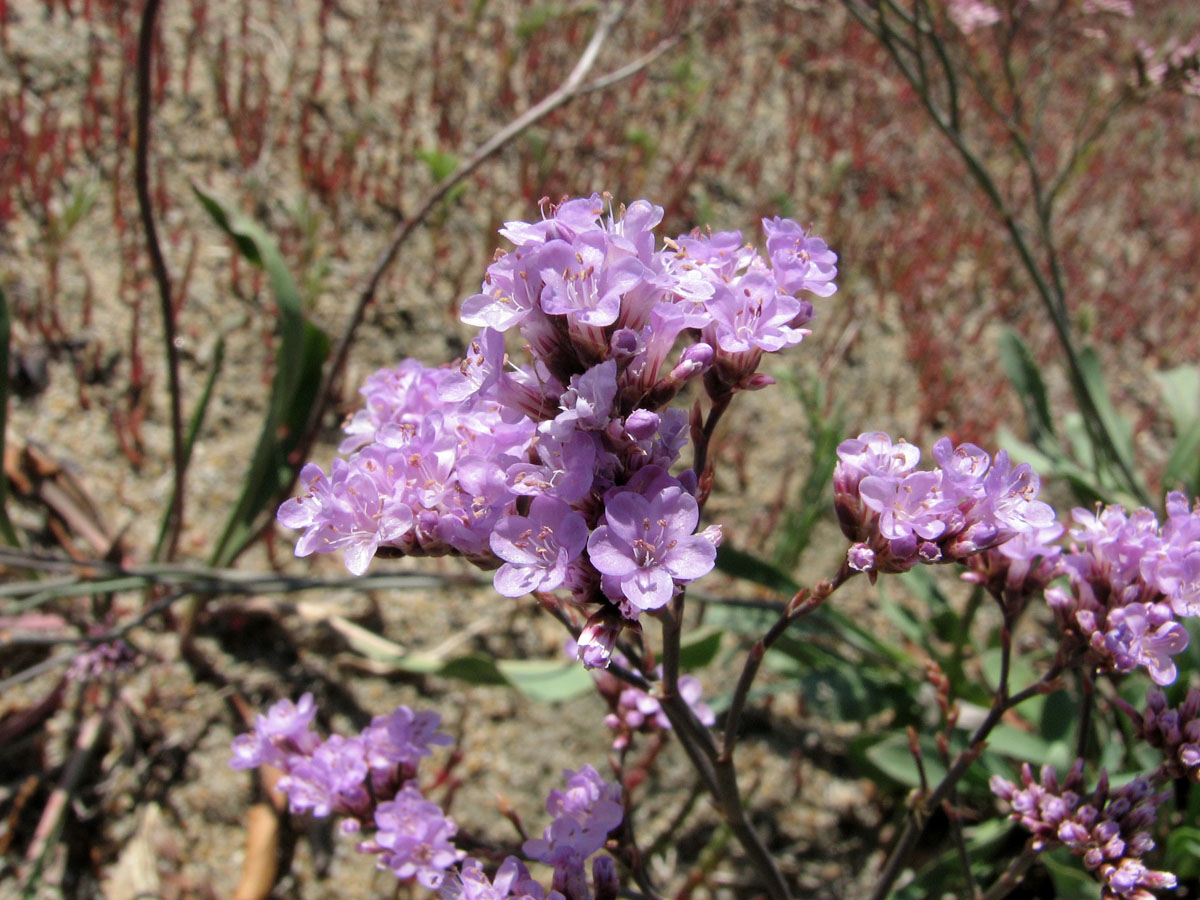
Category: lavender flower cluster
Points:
column 1128, row 581
column 1174, row 731
column 1109, row 830
column 350, row 776
column 413, row 837
column 557, row 473
column 899, row 516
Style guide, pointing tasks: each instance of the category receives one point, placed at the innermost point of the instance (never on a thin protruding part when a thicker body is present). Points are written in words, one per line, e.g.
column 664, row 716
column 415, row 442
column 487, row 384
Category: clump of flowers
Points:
column 561, row 473
column 584, row 815
column 1174, row 731
column 102, row 659
column 899, row 516
column 370, row 780
column 367, row 779
column 1109, row 829
column 1129, row 580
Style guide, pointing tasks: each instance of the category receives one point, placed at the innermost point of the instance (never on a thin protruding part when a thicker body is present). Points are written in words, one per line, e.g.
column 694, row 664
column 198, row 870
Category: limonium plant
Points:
column 556, row 455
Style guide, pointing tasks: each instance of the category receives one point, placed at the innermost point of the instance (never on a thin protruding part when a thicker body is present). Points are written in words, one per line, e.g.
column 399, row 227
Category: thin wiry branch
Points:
column 158, row 265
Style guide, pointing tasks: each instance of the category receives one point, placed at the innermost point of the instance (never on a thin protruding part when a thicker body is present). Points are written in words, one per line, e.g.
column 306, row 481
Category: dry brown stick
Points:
column 53, row 814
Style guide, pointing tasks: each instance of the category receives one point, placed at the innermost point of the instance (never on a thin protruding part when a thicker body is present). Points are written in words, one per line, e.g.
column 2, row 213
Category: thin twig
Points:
column 800, row 605
column 918, row 817
column 159, row 267
column 718, row 772
column 54, row 813
column 1013, row 875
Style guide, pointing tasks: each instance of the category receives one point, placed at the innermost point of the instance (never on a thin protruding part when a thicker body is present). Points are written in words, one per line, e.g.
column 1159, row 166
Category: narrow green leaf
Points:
column 1023, row 746
column 794, row 533
column 1070, row 880
column 1119, row 428
column 1180, row 389
column 299, row 357
column 1181, row 396
column 189, row 440
column 739, row 564
column 546, row 680
column 1183, row 851
column 1026, row 377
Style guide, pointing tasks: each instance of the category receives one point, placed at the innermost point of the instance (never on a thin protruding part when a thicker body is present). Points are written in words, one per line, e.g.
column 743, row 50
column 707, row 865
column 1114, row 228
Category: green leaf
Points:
column 1023, row 746
column 547, row 680
column 1026, row 378
column 442, row 165
column 189, row 440
column 739, row 564
column 699, row 648
column 299, row 357
column 892, row 757
column 794, row 532
column 1070, row 880
column 1181, row 396
column 544, row 680
column 944, row 877
column 1119, row 428
column 1183, row 851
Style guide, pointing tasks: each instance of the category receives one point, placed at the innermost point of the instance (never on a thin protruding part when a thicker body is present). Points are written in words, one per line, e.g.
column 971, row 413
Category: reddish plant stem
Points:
column 714, row 767
column 800, row 605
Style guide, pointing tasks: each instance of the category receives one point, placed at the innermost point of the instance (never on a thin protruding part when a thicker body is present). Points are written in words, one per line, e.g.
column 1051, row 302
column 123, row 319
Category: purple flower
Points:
column 646, row 544
column 752, row 313
column 285, row 730
column 401, row 739
column 582, row 280
column 899, row 518
column 587, row 404
column 912, row 505
column 331, row 779
column 537, row 548
column 413, row 838
column 632, row 710
column 1174, row 731
column 510, row 292
column 800, row 261
column 1141, row 634
column 584, row 814
column 511, row 881
column 1109, row 831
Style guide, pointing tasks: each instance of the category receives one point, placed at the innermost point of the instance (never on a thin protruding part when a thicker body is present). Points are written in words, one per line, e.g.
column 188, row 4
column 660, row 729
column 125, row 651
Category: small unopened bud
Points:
column 641, row 424
column 693, row 361
column 757, row 382
column 596, row 641
column 861, row 557
column 604, row 879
